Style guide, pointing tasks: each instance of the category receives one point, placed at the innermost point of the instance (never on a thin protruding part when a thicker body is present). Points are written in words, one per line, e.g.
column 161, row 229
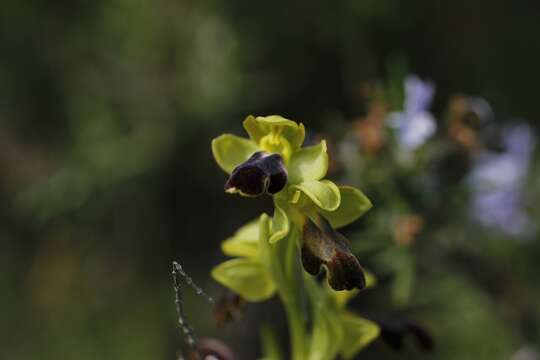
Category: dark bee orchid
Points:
column 307, row 210
column 272, row 161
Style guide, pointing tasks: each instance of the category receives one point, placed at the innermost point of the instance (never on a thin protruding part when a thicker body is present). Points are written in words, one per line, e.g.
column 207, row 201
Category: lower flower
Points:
column 324, row 246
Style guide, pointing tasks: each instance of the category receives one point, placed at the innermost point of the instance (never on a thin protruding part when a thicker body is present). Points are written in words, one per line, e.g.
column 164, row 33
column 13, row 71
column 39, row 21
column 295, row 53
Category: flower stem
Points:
column 291, row 294
column 297, row 331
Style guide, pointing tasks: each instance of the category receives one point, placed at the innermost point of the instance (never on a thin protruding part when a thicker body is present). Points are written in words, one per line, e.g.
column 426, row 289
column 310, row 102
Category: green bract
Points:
column 337, row 330
column 307, row 210
column 245, row 241
column 249, row 274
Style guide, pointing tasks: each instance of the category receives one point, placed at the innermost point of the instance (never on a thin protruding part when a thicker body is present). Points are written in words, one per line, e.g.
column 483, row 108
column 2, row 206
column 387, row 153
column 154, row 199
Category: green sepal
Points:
column 265, row 250
column 297, row 137
column 371, row 279
column 358, row 333
column 246, row 276
column 309, row 163
column 254, row 129
column 260, row 126
column 280, row 224
column 230, row 151
column 341, row 298
column 245, row 242
column 324, row 193
column 353, row 205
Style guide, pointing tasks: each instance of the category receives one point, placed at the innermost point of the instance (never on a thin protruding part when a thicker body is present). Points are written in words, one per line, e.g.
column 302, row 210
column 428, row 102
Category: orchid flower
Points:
column 272, row 161
column 307, row 209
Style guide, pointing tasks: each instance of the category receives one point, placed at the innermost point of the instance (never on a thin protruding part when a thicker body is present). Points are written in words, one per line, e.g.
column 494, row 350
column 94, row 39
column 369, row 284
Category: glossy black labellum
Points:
column 261, row 173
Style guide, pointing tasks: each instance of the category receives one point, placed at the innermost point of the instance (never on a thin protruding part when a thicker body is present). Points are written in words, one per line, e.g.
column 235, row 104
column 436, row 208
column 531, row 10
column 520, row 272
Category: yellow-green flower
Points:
column 272, row 134
column 273, row 161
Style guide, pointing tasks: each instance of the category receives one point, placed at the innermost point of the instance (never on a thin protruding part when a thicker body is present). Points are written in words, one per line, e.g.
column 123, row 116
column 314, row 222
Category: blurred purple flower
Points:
column 526, row 353
column 502, row 209
column 481, row 108
column 497, row 181
column 415, row 124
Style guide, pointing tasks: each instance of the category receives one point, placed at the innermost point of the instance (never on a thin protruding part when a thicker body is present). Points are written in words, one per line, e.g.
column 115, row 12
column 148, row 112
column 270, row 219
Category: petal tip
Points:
column 345, row 272
column 324, row 145
column 231, row 190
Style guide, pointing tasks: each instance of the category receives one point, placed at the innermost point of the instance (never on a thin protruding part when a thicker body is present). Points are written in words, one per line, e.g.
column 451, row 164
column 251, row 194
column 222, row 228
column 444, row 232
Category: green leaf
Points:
column 353, row 205
column 231, row 150
column 280, row 224
column 245, row 242
column 324, row 193
column 358, row 331
column 328, row 335
column 247, row 277
column 309, row 163
column 341, row 298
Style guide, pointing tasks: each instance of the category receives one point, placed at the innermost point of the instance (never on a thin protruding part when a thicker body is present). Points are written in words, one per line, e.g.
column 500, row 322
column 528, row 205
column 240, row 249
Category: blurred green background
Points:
column 107, row 110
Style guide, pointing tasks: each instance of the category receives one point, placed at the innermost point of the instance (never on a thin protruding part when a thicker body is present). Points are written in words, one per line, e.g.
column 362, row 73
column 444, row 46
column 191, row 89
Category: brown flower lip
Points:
column 261, row 173
column 322, row 245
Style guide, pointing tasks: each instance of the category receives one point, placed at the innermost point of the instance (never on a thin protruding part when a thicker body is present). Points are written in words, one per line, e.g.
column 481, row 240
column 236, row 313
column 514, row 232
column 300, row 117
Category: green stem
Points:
column 287, row 269
column 297, row 331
